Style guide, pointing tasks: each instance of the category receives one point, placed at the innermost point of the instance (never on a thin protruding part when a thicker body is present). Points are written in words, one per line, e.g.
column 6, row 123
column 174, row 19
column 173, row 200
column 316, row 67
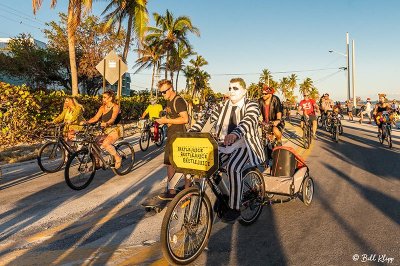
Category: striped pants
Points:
column 234, row 164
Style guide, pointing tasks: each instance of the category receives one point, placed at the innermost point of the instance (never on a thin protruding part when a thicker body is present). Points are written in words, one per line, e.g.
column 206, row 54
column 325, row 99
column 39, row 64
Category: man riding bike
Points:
column 380, row 107
column 326, row 106
column 271, row 110
column 236, row 122
column 309, row 108
column 153, row 110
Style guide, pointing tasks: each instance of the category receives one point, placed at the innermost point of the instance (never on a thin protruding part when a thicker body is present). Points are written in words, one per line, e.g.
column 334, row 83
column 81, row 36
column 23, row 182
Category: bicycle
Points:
column 386, row 132
column 82, row 165
column 146, row 134
column 187, row 223
column 52, row 155
column 324, row 121
column 307, row 129
column 336, row 127
column 268, row 139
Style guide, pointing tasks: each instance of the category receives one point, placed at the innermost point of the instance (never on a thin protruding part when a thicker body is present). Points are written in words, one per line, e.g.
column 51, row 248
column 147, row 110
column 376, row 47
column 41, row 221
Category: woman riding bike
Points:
column 153, row 110
column 380, row 107
column 71, row 116
column 109, row 114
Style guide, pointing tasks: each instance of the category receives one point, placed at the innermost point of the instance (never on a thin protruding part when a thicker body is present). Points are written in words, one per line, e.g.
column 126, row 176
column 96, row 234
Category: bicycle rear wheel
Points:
column 253, row 190
column 160, row 137
column 389, row 136
column 306, row 139
column 144, row 140
column 183, row 234
column 125, row 150
column 80, row 169
column 51, row 157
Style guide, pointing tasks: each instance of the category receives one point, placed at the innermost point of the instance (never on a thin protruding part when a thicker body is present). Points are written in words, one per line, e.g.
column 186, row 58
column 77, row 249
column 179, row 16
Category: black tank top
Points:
column 107, row 116
column 381, row 109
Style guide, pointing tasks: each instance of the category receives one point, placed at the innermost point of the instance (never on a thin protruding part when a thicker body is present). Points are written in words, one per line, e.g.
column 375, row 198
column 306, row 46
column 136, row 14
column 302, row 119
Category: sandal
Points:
column 118, row 163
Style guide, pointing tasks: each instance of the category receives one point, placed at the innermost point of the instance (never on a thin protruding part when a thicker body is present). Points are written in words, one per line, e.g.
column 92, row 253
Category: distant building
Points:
column 126, row 85
column 4, row 49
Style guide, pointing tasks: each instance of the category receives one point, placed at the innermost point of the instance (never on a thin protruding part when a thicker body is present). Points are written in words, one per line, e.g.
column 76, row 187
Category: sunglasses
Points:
column 233, row 88
column 306, row 95
column 265, row 93
column 164, row 92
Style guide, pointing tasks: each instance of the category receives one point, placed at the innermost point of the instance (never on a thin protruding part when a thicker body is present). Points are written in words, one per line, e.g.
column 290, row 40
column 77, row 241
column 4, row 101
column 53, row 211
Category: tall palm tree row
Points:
column 151, row 56
column 136, row 12
column 75, row 8
column 169, row 32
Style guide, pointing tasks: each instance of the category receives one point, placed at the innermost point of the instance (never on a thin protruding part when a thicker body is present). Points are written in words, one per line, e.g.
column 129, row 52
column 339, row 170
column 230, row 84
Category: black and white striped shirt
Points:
column 246, row 128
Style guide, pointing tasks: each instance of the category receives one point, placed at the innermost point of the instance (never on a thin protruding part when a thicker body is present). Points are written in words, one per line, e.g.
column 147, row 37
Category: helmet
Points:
column 268, row 89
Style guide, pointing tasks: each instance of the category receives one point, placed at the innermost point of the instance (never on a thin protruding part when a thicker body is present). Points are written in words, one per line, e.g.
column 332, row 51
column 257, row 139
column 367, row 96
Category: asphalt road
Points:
column 355, row 214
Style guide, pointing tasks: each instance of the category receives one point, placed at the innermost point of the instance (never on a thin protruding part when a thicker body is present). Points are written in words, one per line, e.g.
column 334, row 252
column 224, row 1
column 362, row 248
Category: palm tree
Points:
column 284, row 86
column 74, row 19
column 292, row 81
column 266, row 77
column 314, row 93
column 306, row 86
column 138, row 18
column 172, row 31
column 177, row 59
column 151, row 55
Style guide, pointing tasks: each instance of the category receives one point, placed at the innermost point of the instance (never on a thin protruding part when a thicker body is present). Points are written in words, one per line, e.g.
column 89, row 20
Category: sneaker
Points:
column 279, row 143
column 230, row 216
column 166, row 196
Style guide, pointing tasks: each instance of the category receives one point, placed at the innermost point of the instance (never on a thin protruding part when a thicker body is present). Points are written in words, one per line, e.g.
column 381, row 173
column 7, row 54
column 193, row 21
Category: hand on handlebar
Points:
column 230, row 139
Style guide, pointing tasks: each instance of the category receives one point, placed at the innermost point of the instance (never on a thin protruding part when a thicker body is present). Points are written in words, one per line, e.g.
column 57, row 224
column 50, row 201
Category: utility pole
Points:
column 348, row 65
column 353, row 71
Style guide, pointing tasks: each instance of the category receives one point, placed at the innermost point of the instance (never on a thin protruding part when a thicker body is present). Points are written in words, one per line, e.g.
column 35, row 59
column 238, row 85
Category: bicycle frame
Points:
column 60, row 139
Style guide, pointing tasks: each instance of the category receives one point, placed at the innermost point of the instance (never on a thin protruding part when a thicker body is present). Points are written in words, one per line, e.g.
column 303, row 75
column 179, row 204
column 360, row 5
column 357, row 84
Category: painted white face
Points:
column 236, row 92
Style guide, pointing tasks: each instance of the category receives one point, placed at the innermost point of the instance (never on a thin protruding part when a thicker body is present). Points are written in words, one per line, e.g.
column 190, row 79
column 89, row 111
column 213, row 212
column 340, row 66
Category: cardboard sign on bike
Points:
column 194, row 153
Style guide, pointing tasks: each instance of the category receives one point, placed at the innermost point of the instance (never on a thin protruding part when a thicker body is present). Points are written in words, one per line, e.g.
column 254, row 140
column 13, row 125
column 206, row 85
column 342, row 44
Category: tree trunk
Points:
column 71, row 28
column 128, row 38
column 171, row 74
column 176, row 85
column 152, row 81
column 166, row 65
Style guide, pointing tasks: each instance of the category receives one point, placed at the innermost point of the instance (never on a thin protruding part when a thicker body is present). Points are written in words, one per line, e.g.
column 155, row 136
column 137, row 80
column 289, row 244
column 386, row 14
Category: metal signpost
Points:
column 112, row 68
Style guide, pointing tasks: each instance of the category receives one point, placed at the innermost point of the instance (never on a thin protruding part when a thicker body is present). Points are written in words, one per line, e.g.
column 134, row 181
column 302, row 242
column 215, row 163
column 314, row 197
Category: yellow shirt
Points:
column 154, row 111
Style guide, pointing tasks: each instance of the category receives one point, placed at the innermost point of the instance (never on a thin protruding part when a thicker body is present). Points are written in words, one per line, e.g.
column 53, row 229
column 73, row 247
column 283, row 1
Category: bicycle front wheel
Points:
column 80, row 169
column 125, row 150
column 184, row 234
column 144, row 140
column 51, row 157
column 253, row 190
column 320, row 122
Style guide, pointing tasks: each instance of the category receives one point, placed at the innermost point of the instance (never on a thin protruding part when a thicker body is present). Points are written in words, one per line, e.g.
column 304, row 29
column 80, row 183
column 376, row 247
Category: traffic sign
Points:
column 112, row 67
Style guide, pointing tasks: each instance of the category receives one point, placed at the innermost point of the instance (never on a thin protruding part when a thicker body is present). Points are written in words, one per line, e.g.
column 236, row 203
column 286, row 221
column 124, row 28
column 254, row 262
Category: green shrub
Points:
column 23, row 112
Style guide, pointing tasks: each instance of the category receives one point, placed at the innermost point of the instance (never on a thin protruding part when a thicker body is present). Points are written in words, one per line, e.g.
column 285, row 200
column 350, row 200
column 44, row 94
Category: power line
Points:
column 247, row 74
column 327, row 77
column 20, row 22
column 25, row 18
column 28, row 16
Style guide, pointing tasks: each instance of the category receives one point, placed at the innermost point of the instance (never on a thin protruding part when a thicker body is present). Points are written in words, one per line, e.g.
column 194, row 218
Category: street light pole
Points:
column 348, row 66
column 353, row 67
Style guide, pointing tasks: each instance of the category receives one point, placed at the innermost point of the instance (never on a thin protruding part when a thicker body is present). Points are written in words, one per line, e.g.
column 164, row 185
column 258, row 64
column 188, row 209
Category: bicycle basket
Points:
column 52, row 132
column 142, row 123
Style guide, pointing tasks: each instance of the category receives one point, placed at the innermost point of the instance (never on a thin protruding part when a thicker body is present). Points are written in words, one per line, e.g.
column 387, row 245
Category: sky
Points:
column 241, row 38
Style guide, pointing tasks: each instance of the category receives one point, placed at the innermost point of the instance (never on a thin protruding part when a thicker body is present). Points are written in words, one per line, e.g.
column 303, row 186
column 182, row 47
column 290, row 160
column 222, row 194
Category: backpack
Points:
column 187, row 125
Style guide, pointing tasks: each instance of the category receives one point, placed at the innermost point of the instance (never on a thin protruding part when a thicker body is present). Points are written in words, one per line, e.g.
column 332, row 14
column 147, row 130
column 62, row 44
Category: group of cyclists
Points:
column 236, row 119
column 109, row 116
